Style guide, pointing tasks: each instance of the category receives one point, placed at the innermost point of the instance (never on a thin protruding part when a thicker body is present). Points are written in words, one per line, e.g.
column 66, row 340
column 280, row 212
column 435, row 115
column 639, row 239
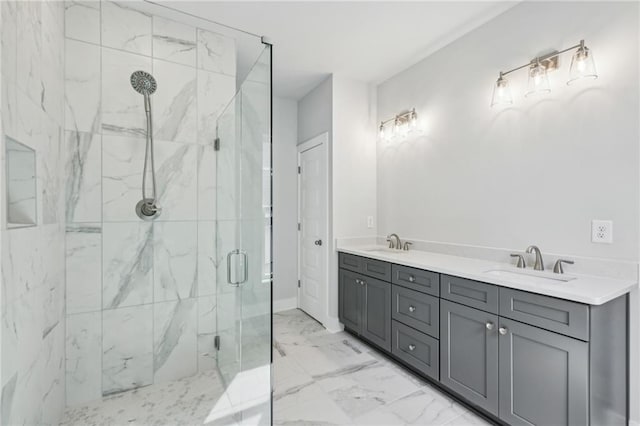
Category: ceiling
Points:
column 366, row 40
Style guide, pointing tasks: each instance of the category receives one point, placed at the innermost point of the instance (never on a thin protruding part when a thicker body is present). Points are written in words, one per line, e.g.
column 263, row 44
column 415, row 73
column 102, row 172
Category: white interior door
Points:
column 313, row 211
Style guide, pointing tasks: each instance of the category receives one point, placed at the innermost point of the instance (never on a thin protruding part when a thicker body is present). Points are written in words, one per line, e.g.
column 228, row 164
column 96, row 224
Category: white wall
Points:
column 537, row 172
column 285, row 205
column 315, row 112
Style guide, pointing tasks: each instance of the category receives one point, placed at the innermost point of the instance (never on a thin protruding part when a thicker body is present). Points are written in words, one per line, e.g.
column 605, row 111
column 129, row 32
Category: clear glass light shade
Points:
column 381, row 133
column 538, row 80
column 413, row 121
column 501, row 93
column 582, row 65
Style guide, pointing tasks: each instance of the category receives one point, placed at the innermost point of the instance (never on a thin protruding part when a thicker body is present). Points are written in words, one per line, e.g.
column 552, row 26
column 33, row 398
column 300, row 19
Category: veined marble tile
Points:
column 175, row 260
column 207, row 318
column 216, row 52
column 84, row 358
column 29, row 42
column 127, row 264
column 174, row 41
column 122, row 107
column 127, row 348
column 206, row 258
column 215, row 92
column 177, row 180
column 174, row 102
column 425, row 406
column 84, row 266
column 51, row 173
column 52, row 60
column 308, row 406
column 82, row 87
column 82, row 20
column 8, row 43
column 226, row 240
column 29, row 116
column 126, row 28
column 84, row 177
column 207, row 353
column 175, row 339
column 207, row 183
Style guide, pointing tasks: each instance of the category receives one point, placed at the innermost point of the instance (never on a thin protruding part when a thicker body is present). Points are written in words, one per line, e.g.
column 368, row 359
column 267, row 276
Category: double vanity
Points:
column 523, row 347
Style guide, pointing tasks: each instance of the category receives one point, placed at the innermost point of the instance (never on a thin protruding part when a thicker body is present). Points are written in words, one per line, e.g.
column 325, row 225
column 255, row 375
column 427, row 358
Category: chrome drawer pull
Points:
column 489, row 326
column 503, row 330
column 412, row 308
column 412, row 347
column 412, row 279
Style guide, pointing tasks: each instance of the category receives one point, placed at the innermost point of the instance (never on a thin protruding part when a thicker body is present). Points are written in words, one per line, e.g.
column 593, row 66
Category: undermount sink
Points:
column 383, row 250
column 529, row 276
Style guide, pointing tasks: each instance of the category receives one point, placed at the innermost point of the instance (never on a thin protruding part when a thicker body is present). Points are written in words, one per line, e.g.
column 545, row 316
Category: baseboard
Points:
column 285, row 304
column 333, row 325
column 633, row 423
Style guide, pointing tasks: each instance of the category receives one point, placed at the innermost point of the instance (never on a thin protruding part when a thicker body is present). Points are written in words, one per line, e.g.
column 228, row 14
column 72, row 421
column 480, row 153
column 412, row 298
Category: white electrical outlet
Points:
column 602, row 231
column 369, row 221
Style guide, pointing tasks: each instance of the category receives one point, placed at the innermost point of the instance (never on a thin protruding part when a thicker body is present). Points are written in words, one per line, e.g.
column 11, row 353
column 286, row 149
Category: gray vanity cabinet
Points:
column 365, row 307
column 469, row 353
column 543, row 376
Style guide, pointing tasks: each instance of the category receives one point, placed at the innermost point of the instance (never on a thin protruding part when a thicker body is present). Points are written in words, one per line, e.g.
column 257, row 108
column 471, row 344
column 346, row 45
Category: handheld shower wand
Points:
column 147, row 208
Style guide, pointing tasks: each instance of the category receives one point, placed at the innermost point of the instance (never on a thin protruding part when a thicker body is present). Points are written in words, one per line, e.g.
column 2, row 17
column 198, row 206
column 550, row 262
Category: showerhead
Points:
column 143, row 82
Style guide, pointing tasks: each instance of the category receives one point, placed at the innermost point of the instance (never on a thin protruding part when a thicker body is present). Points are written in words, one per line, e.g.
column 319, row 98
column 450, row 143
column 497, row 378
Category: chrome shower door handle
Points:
column 229, row 255
column 245, row 264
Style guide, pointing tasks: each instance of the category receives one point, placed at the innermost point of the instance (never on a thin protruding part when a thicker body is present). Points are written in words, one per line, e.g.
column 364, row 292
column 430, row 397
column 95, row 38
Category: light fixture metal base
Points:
column 549, row 61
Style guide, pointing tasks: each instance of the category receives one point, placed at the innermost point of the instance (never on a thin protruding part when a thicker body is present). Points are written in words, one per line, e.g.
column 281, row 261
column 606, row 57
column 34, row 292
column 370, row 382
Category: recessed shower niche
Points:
column 21, row 184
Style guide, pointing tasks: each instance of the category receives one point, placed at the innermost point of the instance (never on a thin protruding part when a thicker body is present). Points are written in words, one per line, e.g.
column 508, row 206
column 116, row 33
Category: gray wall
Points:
column 285, row 206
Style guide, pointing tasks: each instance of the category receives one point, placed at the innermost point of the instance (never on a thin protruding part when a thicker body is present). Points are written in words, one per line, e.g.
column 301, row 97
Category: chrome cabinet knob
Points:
column 412, row 279
column 412, row 308
column 412, row 347
column 489, row 326
column 362, row 282
column 503, row 330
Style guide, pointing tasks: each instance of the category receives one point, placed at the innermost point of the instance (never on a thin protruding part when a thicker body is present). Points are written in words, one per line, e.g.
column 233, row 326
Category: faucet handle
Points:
column 521, row 263
column 406, row 245
column 557, row 268
column 390, row 241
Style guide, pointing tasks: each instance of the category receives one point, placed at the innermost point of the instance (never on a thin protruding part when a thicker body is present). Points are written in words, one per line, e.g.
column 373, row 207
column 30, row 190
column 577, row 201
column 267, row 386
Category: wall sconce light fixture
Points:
column 582, row 66
column 403, row 123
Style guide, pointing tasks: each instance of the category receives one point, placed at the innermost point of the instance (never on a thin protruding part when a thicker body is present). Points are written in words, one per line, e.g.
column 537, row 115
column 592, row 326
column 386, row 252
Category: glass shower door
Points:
column 243, row 245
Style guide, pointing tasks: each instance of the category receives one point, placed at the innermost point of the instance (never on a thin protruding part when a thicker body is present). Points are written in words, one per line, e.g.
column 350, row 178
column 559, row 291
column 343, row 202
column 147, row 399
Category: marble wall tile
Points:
column 50, row 160
column 29, row 42
column 174, row 102
column 177, row 180
column 82, row 20
column 207, row 318
column 207, row 183
column 84, row 357
column 174, row 41
column 207, row 262
column 52, row 60
column 8, row 43
column 175, row 339
column 127, row 260
column 127, row 348
column 82, row 87
column 215, row 92
column 84, row 177
column 122, row 107
column 216, row 52
column 84, row 268
column 125, row 28
column 174, row 260
column 227, row 239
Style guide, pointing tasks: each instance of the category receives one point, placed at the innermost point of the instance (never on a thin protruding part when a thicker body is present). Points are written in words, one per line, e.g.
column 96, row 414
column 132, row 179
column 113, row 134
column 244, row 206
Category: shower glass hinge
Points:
column 298, row 283
column 216, row 144
column 299, row 169
column 216, row 342
column 299, row 226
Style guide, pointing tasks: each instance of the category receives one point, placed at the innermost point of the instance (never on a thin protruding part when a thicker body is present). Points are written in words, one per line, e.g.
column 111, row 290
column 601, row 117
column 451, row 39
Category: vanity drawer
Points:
column 416, row 279
column 416, row 349
column 562, row 316
column 350, row 262
column 471, row 293
column 376, row 269
column 418, row 310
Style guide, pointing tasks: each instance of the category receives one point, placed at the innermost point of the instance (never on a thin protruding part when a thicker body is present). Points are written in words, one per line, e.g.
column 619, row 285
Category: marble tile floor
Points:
column 319, row 378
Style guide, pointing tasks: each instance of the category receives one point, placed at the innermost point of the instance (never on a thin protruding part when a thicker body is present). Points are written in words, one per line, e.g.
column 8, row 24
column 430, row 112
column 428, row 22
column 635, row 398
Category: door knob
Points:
column 503, row 330
column 318, row 242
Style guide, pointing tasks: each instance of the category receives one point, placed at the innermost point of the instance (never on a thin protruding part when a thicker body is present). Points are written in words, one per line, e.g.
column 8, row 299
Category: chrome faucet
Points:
column 539, row 265
column 397, row 245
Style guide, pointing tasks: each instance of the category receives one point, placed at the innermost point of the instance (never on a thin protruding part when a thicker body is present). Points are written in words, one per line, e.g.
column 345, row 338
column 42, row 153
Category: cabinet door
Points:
column 376, row 322
column 469, row 354
column 350, row 303
column 543, row 377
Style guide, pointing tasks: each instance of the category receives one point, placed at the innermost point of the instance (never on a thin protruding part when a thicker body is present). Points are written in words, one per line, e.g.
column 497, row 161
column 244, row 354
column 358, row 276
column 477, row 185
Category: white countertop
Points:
column 581, row 288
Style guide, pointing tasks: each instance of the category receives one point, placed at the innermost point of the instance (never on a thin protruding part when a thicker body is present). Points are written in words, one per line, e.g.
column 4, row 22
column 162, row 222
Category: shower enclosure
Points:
column 96, row 301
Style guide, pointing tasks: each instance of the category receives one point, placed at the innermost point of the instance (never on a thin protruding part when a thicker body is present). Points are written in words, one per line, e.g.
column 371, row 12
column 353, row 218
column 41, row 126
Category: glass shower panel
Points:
column 244, row 245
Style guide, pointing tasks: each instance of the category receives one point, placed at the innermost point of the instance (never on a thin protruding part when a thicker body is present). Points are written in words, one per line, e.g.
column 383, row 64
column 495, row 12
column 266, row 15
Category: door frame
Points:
column 322, row 141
